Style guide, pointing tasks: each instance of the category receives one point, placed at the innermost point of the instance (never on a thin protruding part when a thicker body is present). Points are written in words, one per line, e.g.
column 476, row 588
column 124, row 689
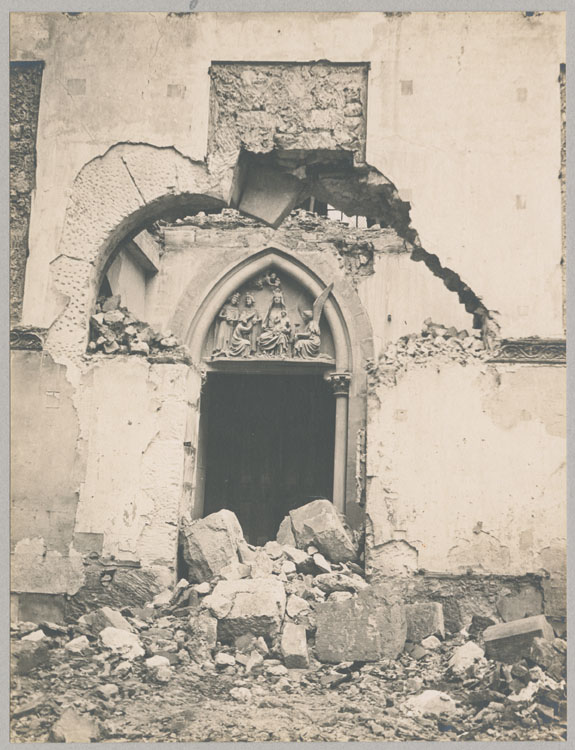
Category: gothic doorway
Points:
column 269, row 446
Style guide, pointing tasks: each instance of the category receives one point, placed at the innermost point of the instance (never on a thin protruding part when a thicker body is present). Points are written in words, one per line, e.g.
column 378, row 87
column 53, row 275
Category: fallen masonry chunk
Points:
column 108, row 691
column 464, row 656
column 217, row 604
column 368, row 627
column 294, row 646
column 157, row 661
column 123, row 641
column 105, row 617
column 202, row 588
column 35, row 636
column 210, row 544
column 546, row 654
column 527, row 602
column 321, row 562
column 27, row 655
column 276, row 670
column 424, row 619
column 163, row 674
column 297, row 607
column 234, row 571
column 241, row 694
column 431, row 702
column 285, row 535
column 224, row 660
column 258, row 607
column 302, row 560
column 203, row 630
column 329, row 582
column 318, row 523
column 77, row 645
column 431, row 643
column 511, row 641
column 73, row 727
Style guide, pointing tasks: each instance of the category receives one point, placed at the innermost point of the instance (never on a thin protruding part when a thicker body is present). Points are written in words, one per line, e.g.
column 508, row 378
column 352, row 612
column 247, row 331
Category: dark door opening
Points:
column 269, row 447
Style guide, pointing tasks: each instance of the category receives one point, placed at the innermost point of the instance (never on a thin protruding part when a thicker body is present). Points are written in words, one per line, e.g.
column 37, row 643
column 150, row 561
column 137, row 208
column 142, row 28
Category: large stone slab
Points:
column 210, row 544
column 424, row 619
column 258, row 607
column 318, row 523
column 511, row 641
column 367, row 627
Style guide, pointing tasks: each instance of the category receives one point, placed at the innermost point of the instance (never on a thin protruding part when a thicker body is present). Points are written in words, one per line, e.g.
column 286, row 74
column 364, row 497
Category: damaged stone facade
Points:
column 454, row 456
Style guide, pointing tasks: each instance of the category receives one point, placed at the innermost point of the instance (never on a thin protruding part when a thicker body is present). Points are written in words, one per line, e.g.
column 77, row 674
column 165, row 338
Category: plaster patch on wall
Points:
column 481, row 552
column 36, row 569
column 393, row 558
column 523, row 393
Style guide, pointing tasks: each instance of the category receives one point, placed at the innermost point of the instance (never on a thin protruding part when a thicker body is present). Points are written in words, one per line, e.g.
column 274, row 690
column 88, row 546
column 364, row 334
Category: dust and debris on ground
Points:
column 286, row 642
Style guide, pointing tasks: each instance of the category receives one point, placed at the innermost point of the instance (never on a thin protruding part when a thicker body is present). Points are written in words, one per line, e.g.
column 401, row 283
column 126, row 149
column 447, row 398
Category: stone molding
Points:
column 531, row 350
column 28, row 338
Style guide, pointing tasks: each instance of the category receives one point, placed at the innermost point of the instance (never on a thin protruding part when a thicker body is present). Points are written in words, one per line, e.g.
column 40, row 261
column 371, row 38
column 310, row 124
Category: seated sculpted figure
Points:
column 276, row 337
column 308, row 341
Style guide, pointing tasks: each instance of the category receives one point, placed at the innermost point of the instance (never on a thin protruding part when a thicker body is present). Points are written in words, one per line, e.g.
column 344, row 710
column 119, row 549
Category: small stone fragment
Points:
column 123, row 641
column 217, row 604
column 241, row 694
column 74, row 727
column 431, row 702
column 35, row 636
column 224, row 660
column 464, row 656
column 108, row 691
column 321, row 563
column 431, row 643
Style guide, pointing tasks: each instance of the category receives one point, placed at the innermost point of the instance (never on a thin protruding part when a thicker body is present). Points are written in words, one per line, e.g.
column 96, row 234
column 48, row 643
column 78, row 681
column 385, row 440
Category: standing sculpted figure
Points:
column 308, row 342
column 227, row 319
column 244, row 338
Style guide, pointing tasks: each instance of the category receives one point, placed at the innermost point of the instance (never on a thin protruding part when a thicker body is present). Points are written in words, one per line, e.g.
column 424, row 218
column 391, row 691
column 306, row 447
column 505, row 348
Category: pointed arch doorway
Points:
column 273, row 429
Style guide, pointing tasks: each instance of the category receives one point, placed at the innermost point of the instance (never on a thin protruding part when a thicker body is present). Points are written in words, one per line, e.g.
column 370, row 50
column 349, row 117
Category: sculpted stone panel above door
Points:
column 271, row 317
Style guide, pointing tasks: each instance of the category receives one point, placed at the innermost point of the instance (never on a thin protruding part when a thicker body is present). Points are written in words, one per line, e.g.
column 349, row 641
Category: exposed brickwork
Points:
column 25, row 84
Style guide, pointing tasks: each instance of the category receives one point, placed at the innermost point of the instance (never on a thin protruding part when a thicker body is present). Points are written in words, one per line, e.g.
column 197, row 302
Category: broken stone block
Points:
column 256, row 558
column 74, row 727
column 235, row 571
column 320, row 524
column 138, row 347
column 105, row 617
column 329, row 582
column 111, row 303
column 108, row 691
column 34, row 636
column 464, row 656
column 157, row 661
column 113, row 316
column 545, row 654
column 258, row 607
column 424, row 619
column 526, row 603
column 431, row 643
column 431, row 702
column 288, row 567
column 511, row 641
column 217, row 605
column 285, row 535
column 77, row 645
column 121, row 640
column 224, row 660
column 27, row 655
column 203, row 629
column 368, row 627
column 302, row 561
column 297, row 607
column 294, row 646
column 273, row 550
column 210, row 544
column 321, row 563
column 202, row 588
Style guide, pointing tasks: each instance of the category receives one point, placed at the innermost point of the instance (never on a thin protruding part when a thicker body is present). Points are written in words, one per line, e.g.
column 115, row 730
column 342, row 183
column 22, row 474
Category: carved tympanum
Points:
column 241, row 330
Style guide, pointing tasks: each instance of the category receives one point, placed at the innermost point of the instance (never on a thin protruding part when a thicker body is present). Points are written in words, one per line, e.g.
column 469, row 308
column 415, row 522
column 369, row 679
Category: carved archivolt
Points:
column 262, row 320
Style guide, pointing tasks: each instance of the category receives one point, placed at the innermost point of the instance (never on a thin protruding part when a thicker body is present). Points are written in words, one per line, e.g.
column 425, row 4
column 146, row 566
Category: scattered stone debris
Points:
column 114, row 330
column 436, row 344
column 317, row 655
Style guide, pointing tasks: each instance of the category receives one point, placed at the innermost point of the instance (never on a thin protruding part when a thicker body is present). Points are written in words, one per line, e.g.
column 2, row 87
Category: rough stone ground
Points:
column 197, row 704
column 209, row 660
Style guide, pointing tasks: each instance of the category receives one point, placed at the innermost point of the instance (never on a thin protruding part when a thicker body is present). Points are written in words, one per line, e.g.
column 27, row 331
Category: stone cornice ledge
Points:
column 532, row 350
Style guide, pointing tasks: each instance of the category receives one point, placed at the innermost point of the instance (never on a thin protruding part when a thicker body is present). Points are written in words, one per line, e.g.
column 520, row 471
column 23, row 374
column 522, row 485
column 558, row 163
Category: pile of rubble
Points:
column 114, row 330
column 292, row 625
column 436, row 344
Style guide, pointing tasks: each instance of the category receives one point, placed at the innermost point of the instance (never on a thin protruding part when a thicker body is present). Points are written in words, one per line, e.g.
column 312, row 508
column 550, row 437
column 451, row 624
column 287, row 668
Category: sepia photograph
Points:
column 287, row 376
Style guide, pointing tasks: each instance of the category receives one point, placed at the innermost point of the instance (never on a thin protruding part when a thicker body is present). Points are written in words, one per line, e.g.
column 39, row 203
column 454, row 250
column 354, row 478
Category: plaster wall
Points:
column 135, row 417
column 129, row 281
column 448, row 488
column 463, row 116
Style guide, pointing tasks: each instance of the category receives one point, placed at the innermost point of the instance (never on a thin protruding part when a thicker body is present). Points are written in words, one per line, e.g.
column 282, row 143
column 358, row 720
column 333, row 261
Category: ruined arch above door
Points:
column 112, row 197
